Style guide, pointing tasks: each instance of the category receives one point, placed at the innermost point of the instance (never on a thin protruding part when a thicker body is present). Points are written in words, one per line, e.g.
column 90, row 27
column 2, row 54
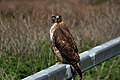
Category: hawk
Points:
column 63, row 44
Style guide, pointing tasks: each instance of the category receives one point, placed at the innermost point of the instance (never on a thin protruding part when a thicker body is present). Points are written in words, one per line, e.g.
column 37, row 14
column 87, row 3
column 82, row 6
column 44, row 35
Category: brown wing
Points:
column 64, row 42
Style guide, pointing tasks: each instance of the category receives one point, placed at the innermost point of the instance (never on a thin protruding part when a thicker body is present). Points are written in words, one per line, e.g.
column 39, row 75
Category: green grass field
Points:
column 24, row 34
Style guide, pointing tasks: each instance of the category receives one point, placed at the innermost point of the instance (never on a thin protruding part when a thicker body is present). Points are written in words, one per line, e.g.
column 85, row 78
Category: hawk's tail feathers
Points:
column 78, row 70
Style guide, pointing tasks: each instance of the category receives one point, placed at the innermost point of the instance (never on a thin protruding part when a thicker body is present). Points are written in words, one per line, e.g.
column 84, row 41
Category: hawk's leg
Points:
column 59, row 58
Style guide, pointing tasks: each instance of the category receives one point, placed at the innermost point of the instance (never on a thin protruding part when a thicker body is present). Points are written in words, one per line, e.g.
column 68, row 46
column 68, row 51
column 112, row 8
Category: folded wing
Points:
column 65, row 43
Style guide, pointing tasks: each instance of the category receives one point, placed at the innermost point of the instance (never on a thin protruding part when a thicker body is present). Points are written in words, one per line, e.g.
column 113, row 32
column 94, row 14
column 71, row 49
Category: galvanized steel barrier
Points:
column 88, row 59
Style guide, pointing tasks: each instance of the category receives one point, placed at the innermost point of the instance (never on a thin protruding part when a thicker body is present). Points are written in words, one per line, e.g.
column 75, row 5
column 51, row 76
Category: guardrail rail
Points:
column 88, row 59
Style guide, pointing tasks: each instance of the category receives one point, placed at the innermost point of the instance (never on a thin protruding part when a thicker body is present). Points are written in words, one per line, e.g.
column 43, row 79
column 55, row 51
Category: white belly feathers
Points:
column 52, row 29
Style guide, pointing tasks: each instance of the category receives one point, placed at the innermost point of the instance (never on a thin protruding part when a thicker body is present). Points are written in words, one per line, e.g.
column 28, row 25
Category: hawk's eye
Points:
column 53, row 19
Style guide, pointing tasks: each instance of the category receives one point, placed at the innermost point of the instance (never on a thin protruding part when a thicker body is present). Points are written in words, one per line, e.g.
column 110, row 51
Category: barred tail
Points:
column 78, row 70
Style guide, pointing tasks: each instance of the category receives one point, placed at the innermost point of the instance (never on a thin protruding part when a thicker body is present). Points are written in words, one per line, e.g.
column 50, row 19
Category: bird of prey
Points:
column 63, row 44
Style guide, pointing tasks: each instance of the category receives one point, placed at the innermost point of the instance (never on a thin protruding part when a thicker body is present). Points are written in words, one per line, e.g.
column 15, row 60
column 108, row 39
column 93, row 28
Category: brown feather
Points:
column 64, row 42
column 64, row 46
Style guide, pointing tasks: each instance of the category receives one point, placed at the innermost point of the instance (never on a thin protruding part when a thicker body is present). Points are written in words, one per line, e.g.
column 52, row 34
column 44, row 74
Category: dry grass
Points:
column 26, row 23
column 24, row 28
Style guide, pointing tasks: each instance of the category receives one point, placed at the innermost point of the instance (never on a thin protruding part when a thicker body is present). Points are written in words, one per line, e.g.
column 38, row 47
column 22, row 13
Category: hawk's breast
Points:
column 52, row 30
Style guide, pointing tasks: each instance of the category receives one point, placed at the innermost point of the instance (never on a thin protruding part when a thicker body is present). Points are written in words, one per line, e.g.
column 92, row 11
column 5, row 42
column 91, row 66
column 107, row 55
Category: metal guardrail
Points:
column 88, row 59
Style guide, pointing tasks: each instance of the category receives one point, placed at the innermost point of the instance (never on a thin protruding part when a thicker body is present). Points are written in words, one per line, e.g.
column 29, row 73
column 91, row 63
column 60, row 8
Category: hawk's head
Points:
column 56, row 18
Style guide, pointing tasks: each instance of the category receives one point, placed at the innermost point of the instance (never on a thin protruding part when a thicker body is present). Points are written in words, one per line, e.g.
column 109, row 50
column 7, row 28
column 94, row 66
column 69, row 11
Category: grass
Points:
column 24, row 35
column 16, row 66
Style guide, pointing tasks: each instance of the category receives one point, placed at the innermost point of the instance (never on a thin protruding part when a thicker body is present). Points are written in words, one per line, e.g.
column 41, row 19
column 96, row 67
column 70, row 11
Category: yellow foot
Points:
column 58, row 62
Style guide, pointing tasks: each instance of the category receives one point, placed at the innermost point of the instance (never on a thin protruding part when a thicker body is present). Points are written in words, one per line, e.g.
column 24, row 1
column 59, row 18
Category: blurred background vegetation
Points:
column 24, row 34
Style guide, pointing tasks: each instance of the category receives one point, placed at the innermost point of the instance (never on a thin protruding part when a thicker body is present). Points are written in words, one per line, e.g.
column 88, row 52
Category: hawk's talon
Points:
column 58, row 62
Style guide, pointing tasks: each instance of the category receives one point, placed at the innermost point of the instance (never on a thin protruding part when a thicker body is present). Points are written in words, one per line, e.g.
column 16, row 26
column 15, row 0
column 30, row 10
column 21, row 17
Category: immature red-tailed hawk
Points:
column 63, row 44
